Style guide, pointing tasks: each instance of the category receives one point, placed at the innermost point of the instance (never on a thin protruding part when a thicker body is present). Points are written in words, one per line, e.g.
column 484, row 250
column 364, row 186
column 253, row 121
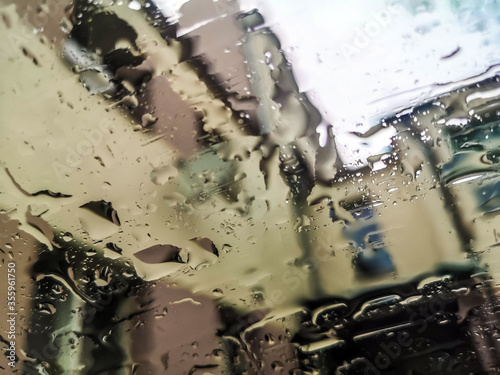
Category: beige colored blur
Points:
column 46, row 113
column 47, row 117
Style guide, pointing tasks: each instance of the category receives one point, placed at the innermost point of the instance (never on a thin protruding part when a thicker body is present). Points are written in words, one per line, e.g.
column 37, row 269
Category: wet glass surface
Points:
column 249, row 187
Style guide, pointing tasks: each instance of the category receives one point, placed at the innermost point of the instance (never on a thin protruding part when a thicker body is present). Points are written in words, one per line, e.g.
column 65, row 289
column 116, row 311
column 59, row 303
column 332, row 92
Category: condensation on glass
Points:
column 253, row 187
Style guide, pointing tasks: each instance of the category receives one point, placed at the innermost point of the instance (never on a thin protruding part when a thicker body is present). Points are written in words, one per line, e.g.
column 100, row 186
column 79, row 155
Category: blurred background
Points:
column 251, row 187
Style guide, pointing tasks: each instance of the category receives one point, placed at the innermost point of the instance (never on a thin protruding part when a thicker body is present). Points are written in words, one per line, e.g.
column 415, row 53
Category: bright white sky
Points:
column 357, row 82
